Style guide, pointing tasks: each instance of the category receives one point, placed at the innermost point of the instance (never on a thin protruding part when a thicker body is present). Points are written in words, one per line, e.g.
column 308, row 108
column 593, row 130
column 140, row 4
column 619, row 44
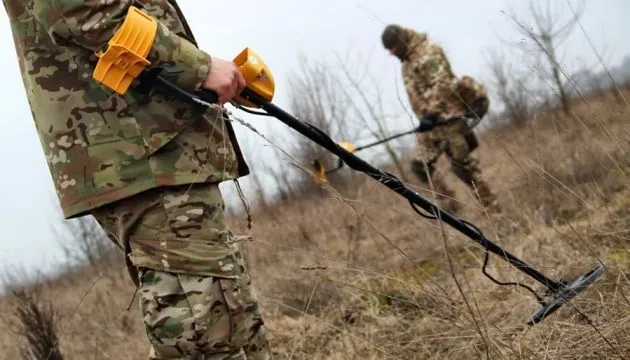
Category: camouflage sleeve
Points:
column 443, row 97
column 416, row 84
column 415, row 100
column 92, row 23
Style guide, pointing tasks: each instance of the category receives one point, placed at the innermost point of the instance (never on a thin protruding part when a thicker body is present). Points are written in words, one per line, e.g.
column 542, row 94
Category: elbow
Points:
column 93, row 39
column 83, row 25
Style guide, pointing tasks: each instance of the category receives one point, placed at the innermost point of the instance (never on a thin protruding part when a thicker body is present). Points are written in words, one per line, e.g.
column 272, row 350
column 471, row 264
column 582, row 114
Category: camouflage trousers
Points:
column 189, row 312
column 456, row 142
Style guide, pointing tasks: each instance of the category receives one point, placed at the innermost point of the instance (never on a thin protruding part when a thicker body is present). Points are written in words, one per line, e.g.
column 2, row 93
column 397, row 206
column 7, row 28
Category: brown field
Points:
column 398, row 286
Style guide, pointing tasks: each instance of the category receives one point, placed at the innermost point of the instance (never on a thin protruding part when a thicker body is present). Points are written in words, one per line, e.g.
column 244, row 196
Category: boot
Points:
column 486, row 197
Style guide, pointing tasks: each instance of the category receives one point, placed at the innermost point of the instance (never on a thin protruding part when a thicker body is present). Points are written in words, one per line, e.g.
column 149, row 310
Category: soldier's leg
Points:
column 468, row 171
column 426, row 154
column 188, row 317
column 257, row 347
column 424, row 157
column 200, row 317
column 466, row 167
column 187, row 312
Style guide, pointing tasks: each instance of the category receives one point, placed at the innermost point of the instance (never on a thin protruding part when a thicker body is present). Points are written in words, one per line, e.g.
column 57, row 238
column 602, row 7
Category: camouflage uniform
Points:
column 109, row 155
column 434, row 91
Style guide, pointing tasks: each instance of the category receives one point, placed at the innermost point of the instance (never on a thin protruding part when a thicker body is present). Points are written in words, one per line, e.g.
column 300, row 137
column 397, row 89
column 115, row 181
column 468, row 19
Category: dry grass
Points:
column 387, row 290
column 35, row 321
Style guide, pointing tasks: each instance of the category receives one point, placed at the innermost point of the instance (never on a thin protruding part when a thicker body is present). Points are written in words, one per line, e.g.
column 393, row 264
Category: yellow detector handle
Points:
column 127, row 50
column 257, row 76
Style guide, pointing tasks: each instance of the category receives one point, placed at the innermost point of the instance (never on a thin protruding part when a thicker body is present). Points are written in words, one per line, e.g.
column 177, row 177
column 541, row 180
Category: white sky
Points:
column 278, row 30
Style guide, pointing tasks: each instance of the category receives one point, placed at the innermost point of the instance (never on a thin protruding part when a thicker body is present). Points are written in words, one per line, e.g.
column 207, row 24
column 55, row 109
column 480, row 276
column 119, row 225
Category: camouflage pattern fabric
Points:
column 474, row 95
column 450, row 140
column 196, row 295
column 431, row 85
column 179, row 229
column 428, row 79
column 102, row 147
column 196, row 317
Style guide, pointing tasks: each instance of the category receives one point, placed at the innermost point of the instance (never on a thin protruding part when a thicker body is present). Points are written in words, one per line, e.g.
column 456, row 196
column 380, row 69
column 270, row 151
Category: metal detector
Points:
column 258, row 95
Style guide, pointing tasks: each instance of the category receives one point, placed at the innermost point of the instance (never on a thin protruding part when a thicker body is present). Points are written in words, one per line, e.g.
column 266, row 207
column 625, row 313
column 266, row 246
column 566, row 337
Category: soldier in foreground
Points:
column 443, row 104
column 148, row 170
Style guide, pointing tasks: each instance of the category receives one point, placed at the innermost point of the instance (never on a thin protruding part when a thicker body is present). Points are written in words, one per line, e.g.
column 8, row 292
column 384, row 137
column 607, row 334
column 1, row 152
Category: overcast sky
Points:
column 278, row 30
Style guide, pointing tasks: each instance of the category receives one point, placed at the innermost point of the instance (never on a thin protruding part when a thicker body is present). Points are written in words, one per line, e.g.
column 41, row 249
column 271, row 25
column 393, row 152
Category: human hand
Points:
column 225, row 80
column 426, row 123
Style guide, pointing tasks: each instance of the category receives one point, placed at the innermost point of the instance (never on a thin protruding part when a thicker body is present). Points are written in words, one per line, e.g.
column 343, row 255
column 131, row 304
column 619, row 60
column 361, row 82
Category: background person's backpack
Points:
column 474, row 96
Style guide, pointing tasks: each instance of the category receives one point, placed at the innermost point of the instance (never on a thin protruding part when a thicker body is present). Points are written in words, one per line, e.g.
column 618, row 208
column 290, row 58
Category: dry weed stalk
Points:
column 37, row 324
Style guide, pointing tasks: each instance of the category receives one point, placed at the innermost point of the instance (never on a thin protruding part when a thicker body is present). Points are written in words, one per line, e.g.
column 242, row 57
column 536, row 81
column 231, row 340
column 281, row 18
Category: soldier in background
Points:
column 148, row 169
column 444, row 105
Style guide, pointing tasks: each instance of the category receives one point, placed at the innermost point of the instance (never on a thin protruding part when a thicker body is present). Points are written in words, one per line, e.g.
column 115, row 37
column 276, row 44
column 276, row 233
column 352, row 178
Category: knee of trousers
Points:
column 465, row 172
column 420, row 168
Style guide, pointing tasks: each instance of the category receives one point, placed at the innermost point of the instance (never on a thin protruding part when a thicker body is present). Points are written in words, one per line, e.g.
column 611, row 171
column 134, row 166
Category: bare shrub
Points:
column 36, row 323
column 83, row 241
column 344, row 100
column 368, row 104
column 509, row 87
column 317, row 99
column 546, row 32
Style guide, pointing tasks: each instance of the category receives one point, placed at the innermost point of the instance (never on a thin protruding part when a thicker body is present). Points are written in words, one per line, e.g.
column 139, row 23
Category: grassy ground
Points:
column 391, row 285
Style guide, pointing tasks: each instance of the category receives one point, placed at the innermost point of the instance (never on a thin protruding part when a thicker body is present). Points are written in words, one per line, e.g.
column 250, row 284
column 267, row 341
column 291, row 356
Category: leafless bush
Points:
column 345, row 101
column 546, row 32
column 610, row 80
column 318, row 99
column 591, row 81
column 510, row 88
column 335, row 100
column 83, row 241
column 368, row 104
column 36, row 323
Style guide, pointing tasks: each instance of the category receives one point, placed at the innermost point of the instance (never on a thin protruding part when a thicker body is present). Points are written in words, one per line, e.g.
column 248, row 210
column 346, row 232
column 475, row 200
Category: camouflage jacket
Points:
column 101, row 146
column 429, row 80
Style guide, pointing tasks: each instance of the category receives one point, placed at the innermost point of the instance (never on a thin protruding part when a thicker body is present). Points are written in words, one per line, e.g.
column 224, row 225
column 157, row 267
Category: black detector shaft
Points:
column 369, row 145
column 382, row 141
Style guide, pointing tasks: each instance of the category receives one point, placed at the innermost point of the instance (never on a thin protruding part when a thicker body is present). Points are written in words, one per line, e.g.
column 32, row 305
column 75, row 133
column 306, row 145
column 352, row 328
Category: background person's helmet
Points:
column 394, row 37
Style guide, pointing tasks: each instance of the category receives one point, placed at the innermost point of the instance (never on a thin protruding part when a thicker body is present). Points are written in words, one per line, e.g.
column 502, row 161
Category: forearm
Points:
column 417, row 105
